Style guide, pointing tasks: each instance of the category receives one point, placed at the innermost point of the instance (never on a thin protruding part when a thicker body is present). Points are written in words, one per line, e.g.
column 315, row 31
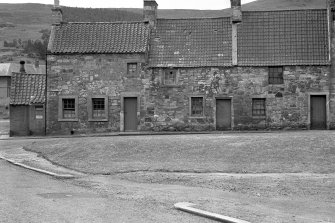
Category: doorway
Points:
column 130, row 114
column 223, row 114
column 318, row 112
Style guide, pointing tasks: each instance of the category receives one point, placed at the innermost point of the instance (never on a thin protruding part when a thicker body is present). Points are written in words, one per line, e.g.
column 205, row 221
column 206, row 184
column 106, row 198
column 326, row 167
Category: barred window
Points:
column 69, row 108
column 131, row 69
column 170, row 77
column 276, row 75
column 98, row 106
column 258, row 107
column 197, row 106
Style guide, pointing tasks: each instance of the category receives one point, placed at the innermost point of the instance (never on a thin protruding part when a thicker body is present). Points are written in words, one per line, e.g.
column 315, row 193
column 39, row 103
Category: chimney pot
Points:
column 22, row 69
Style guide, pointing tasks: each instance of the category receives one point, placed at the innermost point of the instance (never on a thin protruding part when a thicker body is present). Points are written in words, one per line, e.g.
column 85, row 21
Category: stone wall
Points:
column 89, row 75
column 167, row 107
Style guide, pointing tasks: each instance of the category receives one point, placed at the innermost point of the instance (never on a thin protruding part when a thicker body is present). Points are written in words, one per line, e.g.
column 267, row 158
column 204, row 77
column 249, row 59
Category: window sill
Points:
column 68, row 120
column 197, row 117
column 98, row 120
column 259, row 117
column 283, row 84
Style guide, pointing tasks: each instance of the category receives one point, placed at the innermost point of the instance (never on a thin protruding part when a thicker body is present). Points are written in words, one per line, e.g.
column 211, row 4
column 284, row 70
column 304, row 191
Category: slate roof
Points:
column 104, row 37
column 27, row 89
column 191, row 43
column 283, row 38
column 6, row 69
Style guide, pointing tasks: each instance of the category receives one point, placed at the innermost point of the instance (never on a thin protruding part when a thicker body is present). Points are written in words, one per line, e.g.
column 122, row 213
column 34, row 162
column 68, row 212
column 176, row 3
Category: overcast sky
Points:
column 162, row 4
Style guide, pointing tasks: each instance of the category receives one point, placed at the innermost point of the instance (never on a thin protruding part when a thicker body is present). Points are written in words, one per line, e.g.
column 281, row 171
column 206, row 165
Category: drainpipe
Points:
column 331, row 78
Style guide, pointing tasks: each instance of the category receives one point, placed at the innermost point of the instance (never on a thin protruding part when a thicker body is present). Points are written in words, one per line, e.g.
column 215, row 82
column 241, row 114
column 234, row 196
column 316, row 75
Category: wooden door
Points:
column 130, row 114
column 223, row 114
column 318, row 112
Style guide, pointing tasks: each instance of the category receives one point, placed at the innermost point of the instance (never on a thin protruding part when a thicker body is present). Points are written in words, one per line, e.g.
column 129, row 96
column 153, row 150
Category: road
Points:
column 26, row 196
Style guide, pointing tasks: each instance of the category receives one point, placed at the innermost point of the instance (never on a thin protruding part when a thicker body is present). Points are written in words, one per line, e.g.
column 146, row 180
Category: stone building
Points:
column 27, row 103
column 253, row 70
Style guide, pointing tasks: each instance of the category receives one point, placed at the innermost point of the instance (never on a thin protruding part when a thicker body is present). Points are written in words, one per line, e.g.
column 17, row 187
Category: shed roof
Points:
column 6, row 69
column 283, row 38
column 191, row 43
column 27, row 89
column 101, row 37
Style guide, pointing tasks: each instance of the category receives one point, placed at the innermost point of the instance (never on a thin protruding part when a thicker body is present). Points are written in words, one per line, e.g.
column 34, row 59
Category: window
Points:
column 276, row 75
column 258, row 107
column 131, row 69
column 39, row 112
column 98, row 108
column 170, row 77
column 197, row 106
column 68, row 108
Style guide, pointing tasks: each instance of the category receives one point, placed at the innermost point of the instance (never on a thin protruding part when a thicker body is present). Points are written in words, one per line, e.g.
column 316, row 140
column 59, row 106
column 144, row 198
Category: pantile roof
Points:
column 191, row 43
column 6, row 69
column 104, row 37
column 27, row 89
column 283, row 38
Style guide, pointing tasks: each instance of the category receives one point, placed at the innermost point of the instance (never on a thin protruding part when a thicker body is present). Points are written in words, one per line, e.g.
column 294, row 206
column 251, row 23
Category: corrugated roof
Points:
column 6, row 69
column 191, row 43
column 27, row 89
column 283, row 38
column 121, row 37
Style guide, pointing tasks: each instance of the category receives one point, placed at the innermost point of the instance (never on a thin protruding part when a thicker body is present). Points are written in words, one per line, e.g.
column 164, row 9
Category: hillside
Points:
column 25, row 21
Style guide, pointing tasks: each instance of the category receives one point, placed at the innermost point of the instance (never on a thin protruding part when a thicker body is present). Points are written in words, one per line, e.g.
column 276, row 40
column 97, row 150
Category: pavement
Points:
column 32, row 161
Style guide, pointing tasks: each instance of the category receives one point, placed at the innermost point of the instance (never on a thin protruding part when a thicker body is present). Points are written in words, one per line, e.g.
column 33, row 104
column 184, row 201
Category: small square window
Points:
column 69, row 108
column 131, row 69
column 170, row 77
column 98, row 106
column 197, row 106
column 276, row 75
column 258, row 107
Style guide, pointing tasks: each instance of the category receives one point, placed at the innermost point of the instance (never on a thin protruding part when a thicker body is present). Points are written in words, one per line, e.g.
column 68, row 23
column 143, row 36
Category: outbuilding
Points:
column 27, row 104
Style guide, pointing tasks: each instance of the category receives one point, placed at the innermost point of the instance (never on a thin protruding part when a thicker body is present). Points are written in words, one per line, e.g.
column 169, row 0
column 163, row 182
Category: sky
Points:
column 162, row 4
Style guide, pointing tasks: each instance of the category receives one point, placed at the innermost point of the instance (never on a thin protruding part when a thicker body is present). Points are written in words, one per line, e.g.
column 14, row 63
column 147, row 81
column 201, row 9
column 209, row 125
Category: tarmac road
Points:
column 26, row 196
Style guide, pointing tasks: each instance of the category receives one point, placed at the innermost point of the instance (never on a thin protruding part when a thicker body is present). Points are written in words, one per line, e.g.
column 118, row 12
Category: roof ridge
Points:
column 117, row 22
column 284, row 10
column 195, row 18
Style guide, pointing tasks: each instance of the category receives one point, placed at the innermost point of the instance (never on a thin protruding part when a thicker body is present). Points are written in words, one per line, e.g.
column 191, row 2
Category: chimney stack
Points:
column 22, row 69
column 237, row 11
column 150, row 12
column 37, row 64
column 57, row 14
